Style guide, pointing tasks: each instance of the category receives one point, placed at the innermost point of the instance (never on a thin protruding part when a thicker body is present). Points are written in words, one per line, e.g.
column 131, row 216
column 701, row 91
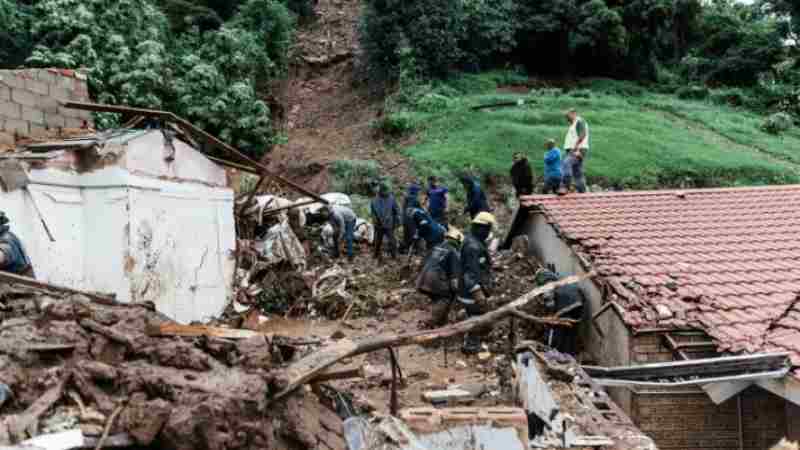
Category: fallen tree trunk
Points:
column 309, row 367
column 545, row 320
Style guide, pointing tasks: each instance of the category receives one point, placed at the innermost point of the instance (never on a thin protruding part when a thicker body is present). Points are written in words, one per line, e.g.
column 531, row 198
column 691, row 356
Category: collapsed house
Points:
column 160, row 211
column 687, row 279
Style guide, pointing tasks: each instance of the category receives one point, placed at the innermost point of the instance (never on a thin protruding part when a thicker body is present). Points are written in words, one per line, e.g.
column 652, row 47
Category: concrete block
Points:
column 39, row 132
column 65, row 82
column 60, row 93
column 81, row 91
column 6, row 138
column 24, row 97
column 48, row 105
column 12, row 79
column 33, row 115
column 5, row 93
column 38, row 87
column 72, row 122
column 54, row 120
column 10, row 110
column 20, row 127
column 46, row 76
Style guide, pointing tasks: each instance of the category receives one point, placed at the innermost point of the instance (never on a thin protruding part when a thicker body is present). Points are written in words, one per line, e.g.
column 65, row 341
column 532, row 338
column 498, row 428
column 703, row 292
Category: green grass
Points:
column 640, row 139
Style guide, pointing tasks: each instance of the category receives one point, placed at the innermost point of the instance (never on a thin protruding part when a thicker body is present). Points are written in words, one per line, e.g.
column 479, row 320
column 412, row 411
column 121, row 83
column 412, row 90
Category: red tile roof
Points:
column 725, row 261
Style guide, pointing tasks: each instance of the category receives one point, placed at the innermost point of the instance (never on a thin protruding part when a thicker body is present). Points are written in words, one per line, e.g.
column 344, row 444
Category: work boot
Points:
column 472, row 344
column 438, row 315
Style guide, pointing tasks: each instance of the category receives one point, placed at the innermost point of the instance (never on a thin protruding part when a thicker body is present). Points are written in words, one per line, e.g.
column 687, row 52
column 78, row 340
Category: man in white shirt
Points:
column 576, row 146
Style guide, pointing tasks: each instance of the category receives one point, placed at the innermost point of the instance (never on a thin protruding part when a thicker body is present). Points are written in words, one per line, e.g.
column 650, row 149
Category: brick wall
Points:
column 685, row 420
column 29, row 101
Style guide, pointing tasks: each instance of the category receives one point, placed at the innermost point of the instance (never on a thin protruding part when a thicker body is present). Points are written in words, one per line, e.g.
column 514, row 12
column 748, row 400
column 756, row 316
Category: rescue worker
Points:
column 343, row 221
column 385, row 217
column 428, row 229
column 476, row 199
column 440, row 274
column 12, row 253
column 576, row 145
column 521, row 175
column 477, row 280
column 410, row 203
column 437, row 201
column 567, row 303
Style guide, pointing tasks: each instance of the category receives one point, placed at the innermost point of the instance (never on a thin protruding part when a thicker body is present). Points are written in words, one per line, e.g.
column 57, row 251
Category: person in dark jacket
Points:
column 410, row 203
column 521, row 175
column 477, row 280
column 385, row 217
column 13, row 257
column 476, row 199
column 440, row 276
column 428, row 229
column 566, row 302
column 437, row 201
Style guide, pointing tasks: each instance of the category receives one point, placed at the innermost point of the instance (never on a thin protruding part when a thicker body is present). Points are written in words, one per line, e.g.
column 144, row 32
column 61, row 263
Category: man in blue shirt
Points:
column 552, row 167
column 437, row 201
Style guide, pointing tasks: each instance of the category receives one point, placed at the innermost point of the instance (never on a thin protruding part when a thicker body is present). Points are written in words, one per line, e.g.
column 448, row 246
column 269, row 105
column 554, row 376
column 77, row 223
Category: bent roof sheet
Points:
column 725, row 261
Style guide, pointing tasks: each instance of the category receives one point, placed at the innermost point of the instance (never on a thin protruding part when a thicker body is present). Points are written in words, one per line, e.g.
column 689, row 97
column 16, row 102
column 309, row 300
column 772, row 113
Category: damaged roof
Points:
column 725, row 261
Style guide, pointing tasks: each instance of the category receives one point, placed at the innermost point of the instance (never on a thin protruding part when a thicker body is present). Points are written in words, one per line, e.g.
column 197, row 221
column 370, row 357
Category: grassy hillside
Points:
column 639, row 139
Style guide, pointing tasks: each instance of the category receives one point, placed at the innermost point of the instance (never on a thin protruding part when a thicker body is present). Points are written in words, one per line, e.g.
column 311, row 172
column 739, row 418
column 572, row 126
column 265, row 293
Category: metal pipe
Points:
column 741, row 430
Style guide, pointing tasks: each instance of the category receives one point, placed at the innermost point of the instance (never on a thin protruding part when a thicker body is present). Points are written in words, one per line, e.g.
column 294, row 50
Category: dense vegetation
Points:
column 205, row 60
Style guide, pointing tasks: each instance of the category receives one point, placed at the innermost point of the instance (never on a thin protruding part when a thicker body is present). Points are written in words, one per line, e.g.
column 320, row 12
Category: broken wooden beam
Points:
column 105, row 299
column 309, row 367
column 108, row 332
column 545, row 320
column 175, row 329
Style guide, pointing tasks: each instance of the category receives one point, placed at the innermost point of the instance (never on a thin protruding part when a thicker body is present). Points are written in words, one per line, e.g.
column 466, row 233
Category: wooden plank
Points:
column 307, row 368
column 175, row 329
column 106, row 299
column 719, row 392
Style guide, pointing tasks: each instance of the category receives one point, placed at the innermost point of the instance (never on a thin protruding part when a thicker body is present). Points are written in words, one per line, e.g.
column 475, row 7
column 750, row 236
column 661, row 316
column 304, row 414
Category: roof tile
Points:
column 723, row 260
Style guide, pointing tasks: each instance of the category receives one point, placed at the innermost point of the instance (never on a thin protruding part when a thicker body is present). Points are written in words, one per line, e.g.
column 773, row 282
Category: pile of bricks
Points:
column 29, row 102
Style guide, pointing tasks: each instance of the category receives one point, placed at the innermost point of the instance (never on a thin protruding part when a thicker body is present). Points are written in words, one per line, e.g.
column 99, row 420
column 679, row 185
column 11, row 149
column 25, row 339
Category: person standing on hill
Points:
column 476, row 198
column 552, row 168
column 437, row 201
column 521, row 175
column 385, row 217
column 576, row 144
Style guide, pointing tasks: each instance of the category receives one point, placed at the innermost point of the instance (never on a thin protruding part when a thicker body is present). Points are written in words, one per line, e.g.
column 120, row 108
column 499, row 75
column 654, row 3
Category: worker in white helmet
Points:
column 476, row 273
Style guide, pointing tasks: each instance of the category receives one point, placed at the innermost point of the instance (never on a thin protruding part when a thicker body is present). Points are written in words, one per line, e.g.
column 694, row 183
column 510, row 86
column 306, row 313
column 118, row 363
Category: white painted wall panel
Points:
column 145, row 156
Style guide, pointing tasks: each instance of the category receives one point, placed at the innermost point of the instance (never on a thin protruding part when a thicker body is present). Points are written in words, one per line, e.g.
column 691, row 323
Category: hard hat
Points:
column 484, row 218
column 454, row 234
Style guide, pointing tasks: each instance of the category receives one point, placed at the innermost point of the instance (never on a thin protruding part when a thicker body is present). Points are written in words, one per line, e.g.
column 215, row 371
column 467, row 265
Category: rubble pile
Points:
column 69, row 363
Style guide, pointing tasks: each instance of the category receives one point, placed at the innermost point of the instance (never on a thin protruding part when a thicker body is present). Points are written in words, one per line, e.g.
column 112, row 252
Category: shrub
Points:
column 356, row 176
column 693, row 93
column 778, row 123
column 433, row 103
column 732, row 97
column 396, row 125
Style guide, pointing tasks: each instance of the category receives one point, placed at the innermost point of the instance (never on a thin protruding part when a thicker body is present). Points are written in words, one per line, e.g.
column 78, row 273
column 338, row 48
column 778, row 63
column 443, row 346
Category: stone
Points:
column 10, row 110
column 54, row 120
column 32, row 115
column 20, row 127
column 484, row 356
column 38, row 87
column 461, row 364
column 5, row 93
column 24, row 97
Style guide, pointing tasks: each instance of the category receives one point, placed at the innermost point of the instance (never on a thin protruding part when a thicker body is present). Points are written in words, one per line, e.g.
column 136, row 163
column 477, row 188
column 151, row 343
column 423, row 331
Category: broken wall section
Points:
column 29, row 102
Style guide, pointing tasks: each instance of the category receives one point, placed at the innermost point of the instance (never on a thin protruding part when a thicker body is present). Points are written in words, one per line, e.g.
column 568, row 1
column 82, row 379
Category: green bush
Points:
column 396, row 125
column 136, row 57
column 433, row 103
column 732, row 97
column 356, row 176
column 778, row 123
column 693, row 93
